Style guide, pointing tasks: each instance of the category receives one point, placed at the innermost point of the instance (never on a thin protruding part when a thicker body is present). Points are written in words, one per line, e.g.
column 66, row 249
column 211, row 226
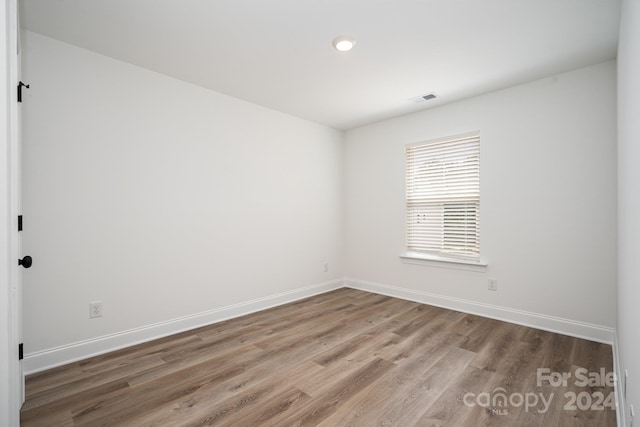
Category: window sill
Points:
column 442, row 262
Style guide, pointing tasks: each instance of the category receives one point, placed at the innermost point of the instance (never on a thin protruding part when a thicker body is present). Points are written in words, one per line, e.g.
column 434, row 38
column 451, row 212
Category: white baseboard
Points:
column 50, row 358
column 573, row 328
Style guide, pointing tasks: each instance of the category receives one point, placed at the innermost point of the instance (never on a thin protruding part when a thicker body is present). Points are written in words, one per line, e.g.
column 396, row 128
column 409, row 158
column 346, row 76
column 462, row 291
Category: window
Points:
column 443, row 197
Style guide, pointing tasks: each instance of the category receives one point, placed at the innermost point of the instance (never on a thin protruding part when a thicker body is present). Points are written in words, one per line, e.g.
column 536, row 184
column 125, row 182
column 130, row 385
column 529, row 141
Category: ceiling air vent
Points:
column 423, row 98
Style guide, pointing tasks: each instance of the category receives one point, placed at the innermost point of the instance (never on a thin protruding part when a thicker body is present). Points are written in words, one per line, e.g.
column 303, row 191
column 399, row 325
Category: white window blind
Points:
column 443, row 197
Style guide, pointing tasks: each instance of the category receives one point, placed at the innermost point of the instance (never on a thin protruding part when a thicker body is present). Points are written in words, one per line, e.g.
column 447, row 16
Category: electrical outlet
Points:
column 493, row 284
column 95, row 309
column 326, row 267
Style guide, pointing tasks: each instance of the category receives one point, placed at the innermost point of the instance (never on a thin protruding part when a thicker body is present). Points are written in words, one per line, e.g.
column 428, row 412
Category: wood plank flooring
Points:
column 344, row 358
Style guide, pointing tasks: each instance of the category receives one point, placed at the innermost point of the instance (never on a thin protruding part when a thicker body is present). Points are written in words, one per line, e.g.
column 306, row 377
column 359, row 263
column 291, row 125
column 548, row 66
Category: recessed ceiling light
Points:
column 344, row 43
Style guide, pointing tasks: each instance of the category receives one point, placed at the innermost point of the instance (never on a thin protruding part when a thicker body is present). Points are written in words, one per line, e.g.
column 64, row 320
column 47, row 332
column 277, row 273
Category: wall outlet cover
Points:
column 95, row 309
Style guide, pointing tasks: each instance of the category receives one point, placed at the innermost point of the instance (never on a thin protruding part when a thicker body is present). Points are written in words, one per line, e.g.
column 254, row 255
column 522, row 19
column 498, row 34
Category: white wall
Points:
column 629, row 202
column 163, row 199
column 548, row 197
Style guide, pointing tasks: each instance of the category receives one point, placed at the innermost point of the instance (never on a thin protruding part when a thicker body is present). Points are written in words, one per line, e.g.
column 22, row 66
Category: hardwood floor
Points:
column 346, row 357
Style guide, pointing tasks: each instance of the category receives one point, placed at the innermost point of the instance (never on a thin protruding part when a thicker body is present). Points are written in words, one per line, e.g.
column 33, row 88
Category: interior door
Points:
column 15, row 149
column 12, row 386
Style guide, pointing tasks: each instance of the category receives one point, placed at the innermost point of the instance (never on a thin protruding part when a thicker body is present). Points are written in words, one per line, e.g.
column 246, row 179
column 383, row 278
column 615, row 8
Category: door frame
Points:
column 11, row 376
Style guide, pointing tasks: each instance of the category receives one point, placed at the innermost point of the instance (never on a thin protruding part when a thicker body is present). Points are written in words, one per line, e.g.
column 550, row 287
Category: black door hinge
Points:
column 20, row 351
column 19, row 222
column 20, row 86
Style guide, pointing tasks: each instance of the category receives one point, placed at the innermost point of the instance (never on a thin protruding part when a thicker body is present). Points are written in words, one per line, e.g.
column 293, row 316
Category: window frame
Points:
column 460, row 199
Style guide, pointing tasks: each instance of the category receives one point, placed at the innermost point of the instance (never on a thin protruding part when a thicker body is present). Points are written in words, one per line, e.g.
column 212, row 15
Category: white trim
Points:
column 545, row 322
column 464, row 135
column 619, row 383
column 58, row 356
column 418, row 258
column 50, row 358
column 11, row 378
column 9, row 416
